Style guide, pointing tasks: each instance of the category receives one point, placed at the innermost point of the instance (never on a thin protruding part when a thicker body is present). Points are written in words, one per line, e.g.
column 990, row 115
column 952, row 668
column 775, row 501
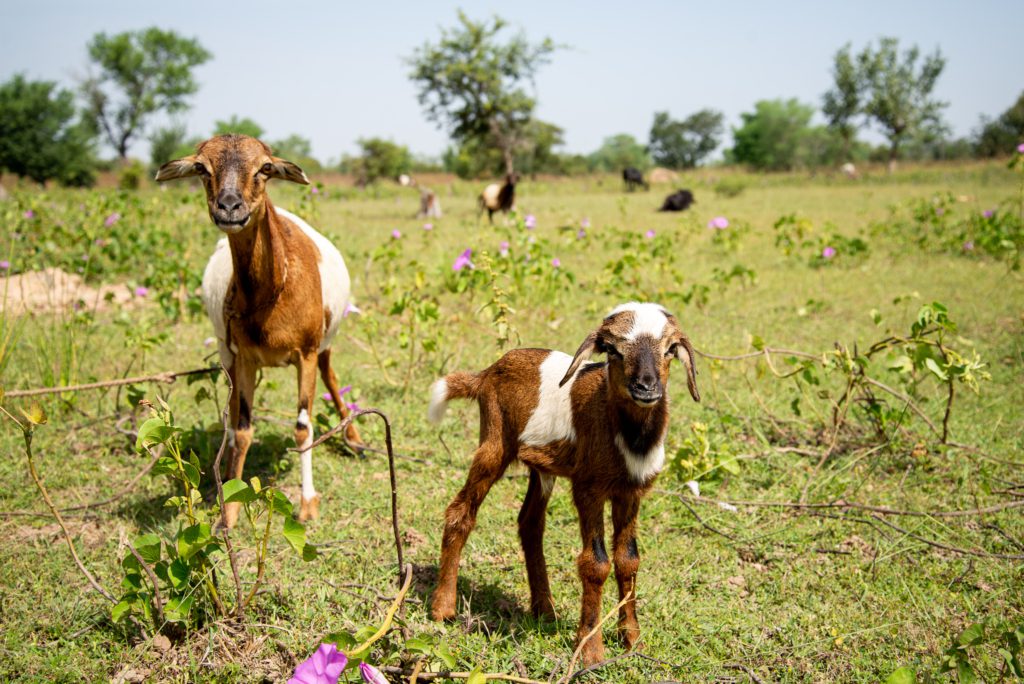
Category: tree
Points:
column 476, row 158
column 619, row 151
column 141, row 72
column 472, row 84
column 1000, row 137
column 842, row 104
column 898, row 93
column 41, row 137
column 684, row 144
column 298, row 150
column 775, row 136
column 170, row 142
column 243, row 126
column 378, row 158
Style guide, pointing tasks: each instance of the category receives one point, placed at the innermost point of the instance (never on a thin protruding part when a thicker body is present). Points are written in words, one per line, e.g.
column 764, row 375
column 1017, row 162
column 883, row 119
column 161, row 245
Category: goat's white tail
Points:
column 438, row 401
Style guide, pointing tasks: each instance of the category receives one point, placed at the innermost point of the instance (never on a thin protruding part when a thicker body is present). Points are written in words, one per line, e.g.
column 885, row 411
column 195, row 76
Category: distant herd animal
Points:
column 276, row 291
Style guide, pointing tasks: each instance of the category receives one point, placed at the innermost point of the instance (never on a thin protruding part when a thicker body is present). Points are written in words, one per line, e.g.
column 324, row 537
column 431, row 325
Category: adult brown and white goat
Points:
column 275, row 290
column 498, row 197
column 602, row 425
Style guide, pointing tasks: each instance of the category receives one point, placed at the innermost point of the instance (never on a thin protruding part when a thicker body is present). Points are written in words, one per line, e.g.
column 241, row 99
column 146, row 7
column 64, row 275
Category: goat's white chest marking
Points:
column 642, row 467
column 551, row 420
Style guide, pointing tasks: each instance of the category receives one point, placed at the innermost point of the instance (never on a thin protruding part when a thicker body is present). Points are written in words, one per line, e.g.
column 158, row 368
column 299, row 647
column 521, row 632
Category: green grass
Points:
column 793, row 595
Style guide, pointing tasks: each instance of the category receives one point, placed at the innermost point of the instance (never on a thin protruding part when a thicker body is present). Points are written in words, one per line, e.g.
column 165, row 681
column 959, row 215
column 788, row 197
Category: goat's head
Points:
column 640, row 341
column 234, row 170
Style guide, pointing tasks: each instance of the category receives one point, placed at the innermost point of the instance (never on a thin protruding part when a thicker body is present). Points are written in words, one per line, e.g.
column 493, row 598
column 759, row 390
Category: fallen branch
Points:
column 946, row 547
column 165, row 377
column 597, row 628
column 840, row 504
column 750, row 673
column 622, row 656
column 431, row 676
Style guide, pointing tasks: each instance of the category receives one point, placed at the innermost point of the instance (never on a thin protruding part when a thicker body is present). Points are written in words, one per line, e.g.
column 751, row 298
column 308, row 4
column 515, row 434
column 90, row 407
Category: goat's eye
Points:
column 612, row 352
column 201, row 169
column 267, row 169
column 671, row 351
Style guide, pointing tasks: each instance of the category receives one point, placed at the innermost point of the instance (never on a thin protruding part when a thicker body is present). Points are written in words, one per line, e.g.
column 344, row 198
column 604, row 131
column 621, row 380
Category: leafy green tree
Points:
column 1001, row 137
column 473, row 84
column 619, row 151
column 843, row 103
column 297, row 149
column 140, row 73
column 775, row 136
column 243, row 126
column 40, row 135
column 684, row 144
column 378, row 158
column 477, row 159
column 898, row 94
column 170, row 142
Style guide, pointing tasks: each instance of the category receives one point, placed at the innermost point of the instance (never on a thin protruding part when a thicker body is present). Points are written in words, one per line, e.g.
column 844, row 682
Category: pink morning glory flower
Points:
column 530, row 221
column 556, row 262
column 323, row 667
column 141, row 291
column 350, row 308
column 4, row 265
column 371, row 675
column 1020, row 148
column 313, row 190
column 352, row 406
column 326, row 396
column 503, row 248
column 29, row 214
column 988, row 213
column 345, row 390
column 112, row 219
column 428, row 226
column 585, row 223
column 828, row 252
column 969, row 246
column 462, row 261
column 718, row 223
column 649, row 234
column 396, row 234
column 939, row 211
column 209, row 341
column 580, row 234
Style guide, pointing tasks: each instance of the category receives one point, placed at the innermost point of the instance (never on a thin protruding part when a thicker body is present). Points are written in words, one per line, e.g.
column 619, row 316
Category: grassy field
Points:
column 780, row 593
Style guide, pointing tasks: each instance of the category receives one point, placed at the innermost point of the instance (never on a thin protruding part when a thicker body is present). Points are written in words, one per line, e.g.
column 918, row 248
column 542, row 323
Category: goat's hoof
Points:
column 441, row 611
column 630, row 637
column 309, row 509
column 544, row 611
column 592, row 655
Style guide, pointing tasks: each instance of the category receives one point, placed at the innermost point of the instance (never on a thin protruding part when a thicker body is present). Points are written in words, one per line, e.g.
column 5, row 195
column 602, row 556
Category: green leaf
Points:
column 154, row 431
column 757, row 342
column 445, row 654
column 281, row 504
column 118, row 612
column 148, row 546
column 964, row 672
column 903, row 675
column 972, row 636
column 178, row 608
column 237, row 491
column 192, row 539
column 256, row 485
column 191, row 472
column 165, row 465
column 309, row 553
column 934, row 368
column 177, row 573
column 476, row 676
column 295, row 533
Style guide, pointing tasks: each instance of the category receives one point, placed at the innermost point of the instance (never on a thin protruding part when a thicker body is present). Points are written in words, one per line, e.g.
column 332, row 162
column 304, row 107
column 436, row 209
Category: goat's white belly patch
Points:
column 551, row 420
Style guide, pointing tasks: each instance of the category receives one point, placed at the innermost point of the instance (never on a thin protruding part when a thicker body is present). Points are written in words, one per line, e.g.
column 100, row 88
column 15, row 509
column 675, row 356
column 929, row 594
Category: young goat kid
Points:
column 498, row 197
column 601, row 425
column 275, row 290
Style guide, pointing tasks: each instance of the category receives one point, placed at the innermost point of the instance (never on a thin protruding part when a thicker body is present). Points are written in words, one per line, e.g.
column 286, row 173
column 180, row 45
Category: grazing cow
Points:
column 633, row 178
column 680, row 200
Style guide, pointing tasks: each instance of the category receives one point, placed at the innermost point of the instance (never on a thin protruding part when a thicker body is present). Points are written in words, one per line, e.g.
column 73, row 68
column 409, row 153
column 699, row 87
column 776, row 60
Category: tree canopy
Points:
column 472, row 83
column 240, row 125
column 378, row 158
column 1000, row 137
column 684, row 144
column 774, row 136
column 619, row 151
column 40, row 135
column 842, row 105
column 140, row 73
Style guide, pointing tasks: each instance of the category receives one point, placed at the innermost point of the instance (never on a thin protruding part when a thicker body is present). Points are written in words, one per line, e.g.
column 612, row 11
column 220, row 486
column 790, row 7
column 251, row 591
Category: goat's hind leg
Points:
column 331, row 382
column 459, row 520
column 531, row 535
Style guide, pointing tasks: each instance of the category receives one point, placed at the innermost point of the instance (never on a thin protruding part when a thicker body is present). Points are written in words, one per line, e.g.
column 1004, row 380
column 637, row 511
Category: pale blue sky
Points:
column 334, row 72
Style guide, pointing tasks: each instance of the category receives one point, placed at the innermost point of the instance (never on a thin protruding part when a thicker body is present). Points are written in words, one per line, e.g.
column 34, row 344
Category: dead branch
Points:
column 165, row 377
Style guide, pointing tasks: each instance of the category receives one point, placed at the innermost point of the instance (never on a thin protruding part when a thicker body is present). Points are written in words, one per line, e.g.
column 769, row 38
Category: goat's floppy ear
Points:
column 684, row 352
column 179, row 168
column 582, row 354
column 285, row 170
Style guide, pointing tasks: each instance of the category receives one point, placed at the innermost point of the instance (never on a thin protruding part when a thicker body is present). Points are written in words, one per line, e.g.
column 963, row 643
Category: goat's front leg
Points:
column 460, row 519
column 593, row 567
column 310, row 507
column 243, row 386
column 627, row 563
column 331, row 381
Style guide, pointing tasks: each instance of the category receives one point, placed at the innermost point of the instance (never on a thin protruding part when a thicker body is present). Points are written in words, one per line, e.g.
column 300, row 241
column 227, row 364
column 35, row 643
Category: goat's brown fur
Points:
column 603, row 405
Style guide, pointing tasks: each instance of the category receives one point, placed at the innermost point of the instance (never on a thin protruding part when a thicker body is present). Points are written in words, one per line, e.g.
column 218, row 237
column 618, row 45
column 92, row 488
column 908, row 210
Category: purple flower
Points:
column 4, row 265
column 112, row 219
column 649, row 234
column 969, row 246
column 828, row 252
column 428, row 226
column 141, row 291
column 313, row 190
column 353, row 406
column 209, row 341
column 350, row 308
column 371, row 675
column 344, row 390
column 556, row 262
column 718, row 223
column 462, row 261
column 323, row 667
column 585, row 223
column 29, row 214
column 1020, row 148
column 396, row 234
column 939, row 211
column 530, row 221
column 503, row 248
column 988, row 213
column 580, row 234
column 326, row 396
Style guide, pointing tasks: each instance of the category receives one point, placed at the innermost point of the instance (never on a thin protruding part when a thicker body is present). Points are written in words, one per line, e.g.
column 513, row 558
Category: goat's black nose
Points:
column 646, row 383
column 229, row 200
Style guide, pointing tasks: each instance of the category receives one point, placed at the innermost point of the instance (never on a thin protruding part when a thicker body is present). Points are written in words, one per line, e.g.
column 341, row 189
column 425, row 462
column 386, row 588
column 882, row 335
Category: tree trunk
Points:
column 506, row 153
